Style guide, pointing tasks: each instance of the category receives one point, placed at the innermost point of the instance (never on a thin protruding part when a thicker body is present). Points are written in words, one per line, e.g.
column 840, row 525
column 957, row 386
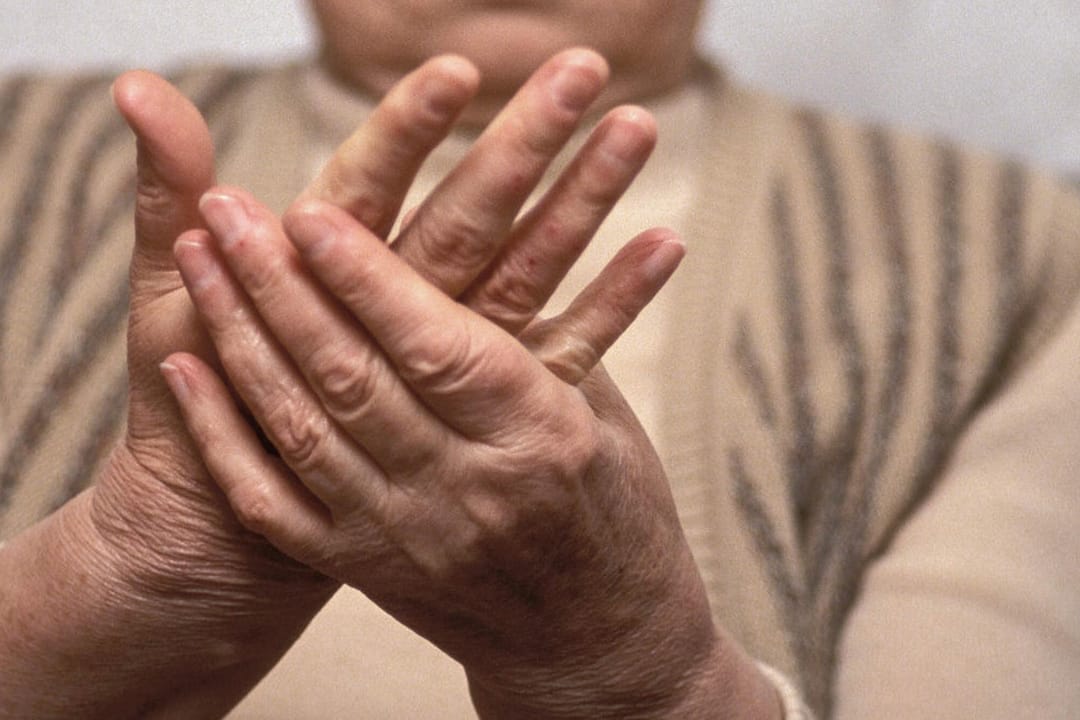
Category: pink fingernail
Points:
column 197, row 265
column 312, row 231
column 663, row 260
column 176, row 381
column 226, row 217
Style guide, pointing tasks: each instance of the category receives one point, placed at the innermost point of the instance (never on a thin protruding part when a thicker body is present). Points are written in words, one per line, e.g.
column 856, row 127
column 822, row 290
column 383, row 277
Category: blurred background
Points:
column 1001, row 75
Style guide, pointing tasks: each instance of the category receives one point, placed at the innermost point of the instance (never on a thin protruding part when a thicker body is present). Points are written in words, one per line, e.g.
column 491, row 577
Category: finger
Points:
column 175, row 165
column 473, row 376
column 175, row 162
column 335, row 470
column 354, row 382
column 571, row 344
column 260, row 491
column 545, row 243
column 458, row 228
column 371, row 171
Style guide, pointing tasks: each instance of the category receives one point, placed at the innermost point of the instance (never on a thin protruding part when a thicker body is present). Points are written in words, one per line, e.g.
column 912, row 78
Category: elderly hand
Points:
column 144, row 595
column 502, row 503
column 153, row 550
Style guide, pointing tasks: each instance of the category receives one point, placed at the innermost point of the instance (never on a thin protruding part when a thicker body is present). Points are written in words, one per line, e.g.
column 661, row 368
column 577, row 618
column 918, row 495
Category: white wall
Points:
column 1000, row 74
column 148, row 33
column 997, row 73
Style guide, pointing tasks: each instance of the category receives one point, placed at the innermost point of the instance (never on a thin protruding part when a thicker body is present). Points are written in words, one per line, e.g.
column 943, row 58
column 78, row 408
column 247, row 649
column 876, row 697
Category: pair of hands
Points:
column 439, row 448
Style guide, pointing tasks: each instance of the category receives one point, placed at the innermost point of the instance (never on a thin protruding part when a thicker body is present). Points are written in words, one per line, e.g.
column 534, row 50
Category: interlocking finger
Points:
column 270, row 386
column 263, row 495
column 461, row 226
column 545, row 243
column 370, row 173
column 471, row 374
column 354, row 382
column 572, row 343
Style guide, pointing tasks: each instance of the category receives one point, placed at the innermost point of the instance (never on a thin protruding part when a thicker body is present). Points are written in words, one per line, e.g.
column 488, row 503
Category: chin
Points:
column 508, row 46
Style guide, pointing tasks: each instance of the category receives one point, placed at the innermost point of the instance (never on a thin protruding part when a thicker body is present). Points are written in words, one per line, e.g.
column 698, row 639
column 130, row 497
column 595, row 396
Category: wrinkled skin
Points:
column 648, row 43
column 505, row 505
column 153, row 549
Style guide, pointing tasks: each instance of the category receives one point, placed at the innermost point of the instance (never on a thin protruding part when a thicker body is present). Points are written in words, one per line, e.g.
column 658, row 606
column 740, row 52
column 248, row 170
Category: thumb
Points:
column 175, row 166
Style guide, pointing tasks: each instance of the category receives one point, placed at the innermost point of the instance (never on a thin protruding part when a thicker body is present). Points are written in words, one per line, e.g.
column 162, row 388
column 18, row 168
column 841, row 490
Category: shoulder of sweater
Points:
column 728, row 92
column 207, row 84
column 1048, row 202
column 48, row 120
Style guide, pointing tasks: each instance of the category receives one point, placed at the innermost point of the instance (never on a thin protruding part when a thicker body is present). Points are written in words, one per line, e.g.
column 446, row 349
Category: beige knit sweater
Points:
column 869, row 403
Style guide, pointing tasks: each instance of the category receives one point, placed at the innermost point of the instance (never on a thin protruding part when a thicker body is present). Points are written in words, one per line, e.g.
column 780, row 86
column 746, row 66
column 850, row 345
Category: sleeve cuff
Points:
column 790, row 697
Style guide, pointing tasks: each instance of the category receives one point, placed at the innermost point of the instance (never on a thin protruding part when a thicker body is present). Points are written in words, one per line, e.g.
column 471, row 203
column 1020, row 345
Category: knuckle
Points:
column 262, row 276
column 497, row 519
column 510, row 295
column 564, row 352
column 254, row 508
column 348, row 382
column 574, row 443
column 441, row 362
column 452, row 237
column 298, row 434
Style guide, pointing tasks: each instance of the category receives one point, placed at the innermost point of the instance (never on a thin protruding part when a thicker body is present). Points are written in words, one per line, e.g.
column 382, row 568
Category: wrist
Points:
column 673, row 663
column 91, row 627
column 726, row 684
column 731, row 686
column 73, row 640
column 173, row 546
column 644, row 665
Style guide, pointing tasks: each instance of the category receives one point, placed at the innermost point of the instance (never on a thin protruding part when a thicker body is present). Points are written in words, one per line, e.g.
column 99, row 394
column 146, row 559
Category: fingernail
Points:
column 176, row 381
column 312, row 232
column 664, row 259
column 225, row 216
column 197, row 265
column 575, row 86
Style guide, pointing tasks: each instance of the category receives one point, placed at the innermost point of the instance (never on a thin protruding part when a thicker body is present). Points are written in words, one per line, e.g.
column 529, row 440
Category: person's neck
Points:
column 626, row 86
